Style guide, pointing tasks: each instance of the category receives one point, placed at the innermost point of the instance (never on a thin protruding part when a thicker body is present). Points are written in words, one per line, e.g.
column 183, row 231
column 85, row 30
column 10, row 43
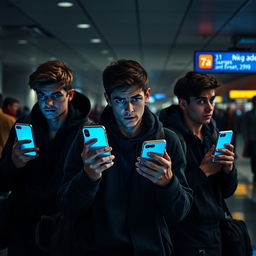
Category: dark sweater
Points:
column 200, row 229
column 124, row 213
column 34, row 187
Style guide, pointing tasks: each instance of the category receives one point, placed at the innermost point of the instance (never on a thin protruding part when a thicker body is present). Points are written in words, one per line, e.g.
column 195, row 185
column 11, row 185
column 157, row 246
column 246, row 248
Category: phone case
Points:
column 153, row 146
column 224, row 137
column 96, row 132
column 25, row 132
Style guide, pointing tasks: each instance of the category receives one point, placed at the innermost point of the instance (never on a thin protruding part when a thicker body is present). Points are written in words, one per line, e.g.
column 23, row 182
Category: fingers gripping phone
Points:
column 25, row 132
column 153, row 146
column 224, row 137
column 96, row 132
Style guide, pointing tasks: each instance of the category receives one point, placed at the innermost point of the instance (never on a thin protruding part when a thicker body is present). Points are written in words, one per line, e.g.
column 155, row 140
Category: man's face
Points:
column 200, row 109
column 53, row 101
column 128, row 107
column 13, row 108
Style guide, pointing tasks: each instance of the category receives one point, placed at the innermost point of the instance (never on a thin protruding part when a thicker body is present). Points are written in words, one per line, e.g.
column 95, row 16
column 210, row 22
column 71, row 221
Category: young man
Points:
column 199, row 232
column 249, row 133
column 34, row 180
column 124, row 205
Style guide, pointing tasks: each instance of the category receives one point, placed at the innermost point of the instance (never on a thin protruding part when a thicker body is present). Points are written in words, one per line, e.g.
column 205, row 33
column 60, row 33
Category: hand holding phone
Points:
column 157, row 169
column 94, row 152
column 224, row 137
column 24, row 148
column 153, row 146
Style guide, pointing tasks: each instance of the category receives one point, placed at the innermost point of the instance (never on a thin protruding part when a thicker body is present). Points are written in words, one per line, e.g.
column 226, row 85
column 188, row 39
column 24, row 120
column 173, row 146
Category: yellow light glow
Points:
column 244, row 94
column 218, row 99
column 238, row 215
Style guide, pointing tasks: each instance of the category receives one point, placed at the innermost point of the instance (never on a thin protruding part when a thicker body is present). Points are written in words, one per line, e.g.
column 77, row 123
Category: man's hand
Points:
column 159, row 171
column 19, row 158
column 226, row 158
column 94, row 163
column 207, row 166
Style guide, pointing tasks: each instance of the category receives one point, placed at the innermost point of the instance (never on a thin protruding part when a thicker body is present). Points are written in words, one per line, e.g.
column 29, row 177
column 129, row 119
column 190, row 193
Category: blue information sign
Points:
column 225, row 62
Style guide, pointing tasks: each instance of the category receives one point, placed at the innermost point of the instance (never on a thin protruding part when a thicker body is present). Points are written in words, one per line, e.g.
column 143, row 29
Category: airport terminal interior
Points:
column 168, row 37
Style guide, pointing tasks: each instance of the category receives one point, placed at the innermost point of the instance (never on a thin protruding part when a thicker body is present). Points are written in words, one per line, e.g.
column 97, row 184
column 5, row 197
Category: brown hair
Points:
column 124, row 74
column 193, row 83
column 52, row 72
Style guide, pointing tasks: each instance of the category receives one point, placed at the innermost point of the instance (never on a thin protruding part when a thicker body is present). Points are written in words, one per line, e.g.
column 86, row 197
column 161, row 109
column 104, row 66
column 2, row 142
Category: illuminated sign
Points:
column 242, row 94
column 225, row 62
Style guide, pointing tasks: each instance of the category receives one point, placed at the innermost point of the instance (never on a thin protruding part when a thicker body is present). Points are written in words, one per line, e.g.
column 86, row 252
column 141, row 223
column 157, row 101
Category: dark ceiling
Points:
column 162, row 35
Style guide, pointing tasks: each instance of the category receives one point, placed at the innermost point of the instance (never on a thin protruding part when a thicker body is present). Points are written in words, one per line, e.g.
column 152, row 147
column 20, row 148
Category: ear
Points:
column 107, row 99
column 71, row 94
column 147, row 94
column 183, row 104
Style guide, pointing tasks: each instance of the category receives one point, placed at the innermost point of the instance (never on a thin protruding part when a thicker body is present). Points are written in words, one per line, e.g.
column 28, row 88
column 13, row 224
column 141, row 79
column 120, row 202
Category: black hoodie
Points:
column 34, row 186
column 123, row 213
column 200, row 229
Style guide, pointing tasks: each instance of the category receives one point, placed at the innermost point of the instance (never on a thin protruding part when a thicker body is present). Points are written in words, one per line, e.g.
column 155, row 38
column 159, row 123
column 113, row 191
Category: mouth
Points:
column 49, row 110
column 207, row 116
column 130, row 118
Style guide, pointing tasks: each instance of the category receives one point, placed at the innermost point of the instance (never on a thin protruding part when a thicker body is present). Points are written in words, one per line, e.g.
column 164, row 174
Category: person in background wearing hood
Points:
column 34, row 180
column 124, row 205
column 199, row 232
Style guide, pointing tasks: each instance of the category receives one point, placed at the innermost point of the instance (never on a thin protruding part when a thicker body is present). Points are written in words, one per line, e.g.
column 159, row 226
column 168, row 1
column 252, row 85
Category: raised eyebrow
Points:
column 118, row 98
column 137, row 96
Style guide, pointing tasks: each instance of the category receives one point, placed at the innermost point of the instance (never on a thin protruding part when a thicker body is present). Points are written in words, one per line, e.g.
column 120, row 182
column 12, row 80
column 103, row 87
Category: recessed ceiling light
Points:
column 22, row 41
column 83, row 25
column 104, row 51
column 95, row 40
column 65, row 4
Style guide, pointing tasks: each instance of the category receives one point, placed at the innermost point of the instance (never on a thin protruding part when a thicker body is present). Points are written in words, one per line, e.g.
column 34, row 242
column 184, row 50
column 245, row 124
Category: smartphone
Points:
column 25, row 132
column 224, row 137
column 96, row 132
column 153, row 146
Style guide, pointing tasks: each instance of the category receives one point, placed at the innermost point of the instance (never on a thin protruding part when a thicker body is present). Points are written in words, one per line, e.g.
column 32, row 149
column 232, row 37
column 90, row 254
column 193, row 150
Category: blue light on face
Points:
column 225, row 62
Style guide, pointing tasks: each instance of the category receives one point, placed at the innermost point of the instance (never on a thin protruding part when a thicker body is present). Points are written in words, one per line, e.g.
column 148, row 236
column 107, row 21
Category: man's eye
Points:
column 120, row 101
column 201, row 102
column 56, row 96
column 134, row 100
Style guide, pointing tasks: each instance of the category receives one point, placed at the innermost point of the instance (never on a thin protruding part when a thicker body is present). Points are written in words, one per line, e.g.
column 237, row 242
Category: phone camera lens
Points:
column 147, row 146
column 86, row 132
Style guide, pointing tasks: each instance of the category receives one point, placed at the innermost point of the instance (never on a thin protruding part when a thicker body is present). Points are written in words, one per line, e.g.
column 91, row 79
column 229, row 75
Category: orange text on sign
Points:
column 205, row 61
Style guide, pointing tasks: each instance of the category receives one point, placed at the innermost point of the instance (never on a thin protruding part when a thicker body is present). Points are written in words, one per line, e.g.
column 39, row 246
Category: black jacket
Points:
column 200, row 229
column 34, row 187
column 124, row 213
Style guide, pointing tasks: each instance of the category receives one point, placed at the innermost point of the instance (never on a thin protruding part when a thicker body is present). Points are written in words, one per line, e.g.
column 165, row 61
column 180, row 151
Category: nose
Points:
column 210, row 106
column 129, row 106
column 49, row 101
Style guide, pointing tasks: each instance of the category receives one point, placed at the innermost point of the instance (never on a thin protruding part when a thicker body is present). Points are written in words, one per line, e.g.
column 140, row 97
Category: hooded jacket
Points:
column 35, row 185
column 124, row 213
column 200, row 229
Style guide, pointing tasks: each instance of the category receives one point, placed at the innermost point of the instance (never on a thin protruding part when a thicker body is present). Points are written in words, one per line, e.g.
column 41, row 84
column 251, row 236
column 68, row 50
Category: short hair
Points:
column 51, row 72
column 124, row 74
column 9, row 101
column 193, row 84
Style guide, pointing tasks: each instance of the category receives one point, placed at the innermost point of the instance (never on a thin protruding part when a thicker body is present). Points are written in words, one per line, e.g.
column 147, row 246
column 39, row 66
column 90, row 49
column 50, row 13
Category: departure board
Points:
column 225, row 62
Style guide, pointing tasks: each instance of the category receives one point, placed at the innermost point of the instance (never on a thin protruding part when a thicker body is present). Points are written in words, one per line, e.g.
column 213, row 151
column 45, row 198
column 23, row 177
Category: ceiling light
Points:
column 65, row 4
column 83, row 25
column 22, row 41
column 95, row 40
column 104, row 51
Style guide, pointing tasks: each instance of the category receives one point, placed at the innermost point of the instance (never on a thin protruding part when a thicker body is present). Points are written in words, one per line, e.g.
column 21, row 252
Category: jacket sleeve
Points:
column 175, row 199
column 228, row 182
column 77, row 191
column 9, row 174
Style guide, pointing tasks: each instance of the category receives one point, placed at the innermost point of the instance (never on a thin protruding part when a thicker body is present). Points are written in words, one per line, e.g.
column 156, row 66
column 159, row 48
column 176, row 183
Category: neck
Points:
column 130, row 132
column 195, row 128
column 56, row 123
